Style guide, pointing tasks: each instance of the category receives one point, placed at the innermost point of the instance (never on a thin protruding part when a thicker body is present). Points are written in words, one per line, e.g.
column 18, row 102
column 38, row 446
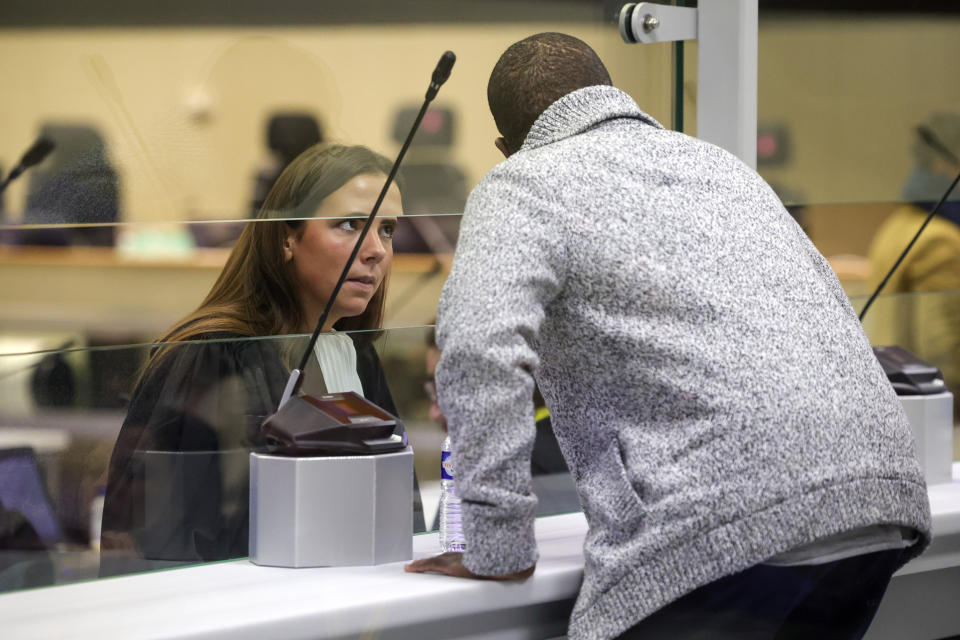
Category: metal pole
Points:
column 727, row 76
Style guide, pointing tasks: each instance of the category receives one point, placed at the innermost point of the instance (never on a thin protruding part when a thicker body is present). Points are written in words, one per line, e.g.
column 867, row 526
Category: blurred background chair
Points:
column 288, row 135
column 75, row 185
column 434, row 185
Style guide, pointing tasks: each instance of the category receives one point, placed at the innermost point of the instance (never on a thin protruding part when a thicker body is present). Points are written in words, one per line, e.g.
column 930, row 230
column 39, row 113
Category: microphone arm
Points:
column 909, row 246
column 440, row 75
column 36, row 154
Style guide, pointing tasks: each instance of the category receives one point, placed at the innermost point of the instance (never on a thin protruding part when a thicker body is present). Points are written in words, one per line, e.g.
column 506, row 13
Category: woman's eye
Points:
column 387, row 229
column 350, row 224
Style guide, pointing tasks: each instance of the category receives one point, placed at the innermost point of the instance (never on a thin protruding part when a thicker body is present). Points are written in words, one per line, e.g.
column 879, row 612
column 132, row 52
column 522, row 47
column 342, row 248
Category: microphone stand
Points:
column 913, row 241
column 933, row 142
column 36, row 154
column 440, row 75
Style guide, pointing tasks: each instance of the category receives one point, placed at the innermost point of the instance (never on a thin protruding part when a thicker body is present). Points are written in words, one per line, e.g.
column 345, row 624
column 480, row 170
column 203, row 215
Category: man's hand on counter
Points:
column 451, row 564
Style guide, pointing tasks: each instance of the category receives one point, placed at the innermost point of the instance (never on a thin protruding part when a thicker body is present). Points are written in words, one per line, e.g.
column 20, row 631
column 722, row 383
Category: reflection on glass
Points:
column 135, row 291
column 28, row 523
column 177, row 487
column 174, row 465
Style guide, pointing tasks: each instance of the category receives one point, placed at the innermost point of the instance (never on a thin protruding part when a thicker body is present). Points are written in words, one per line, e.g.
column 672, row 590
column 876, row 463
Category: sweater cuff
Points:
column 497, row 544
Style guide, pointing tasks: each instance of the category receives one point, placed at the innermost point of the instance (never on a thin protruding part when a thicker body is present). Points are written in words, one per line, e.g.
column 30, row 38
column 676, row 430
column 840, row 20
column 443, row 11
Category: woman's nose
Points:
column 373, row 248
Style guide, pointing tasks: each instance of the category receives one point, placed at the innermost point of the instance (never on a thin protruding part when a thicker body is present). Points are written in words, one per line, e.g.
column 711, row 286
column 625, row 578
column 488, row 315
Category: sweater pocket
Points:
column 611, row 502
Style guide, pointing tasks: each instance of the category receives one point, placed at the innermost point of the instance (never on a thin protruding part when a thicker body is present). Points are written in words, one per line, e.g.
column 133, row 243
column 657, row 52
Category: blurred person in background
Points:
column 77, row 185
column 927, row 324
column 288, row 135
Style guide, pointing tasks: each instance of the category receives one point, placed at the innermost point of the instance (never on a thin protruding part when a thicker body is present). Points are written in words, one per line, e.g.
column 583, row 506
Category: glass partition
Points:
column 134, row 457
column 168, row 127
column 849, row 94
column 156, row 273
column 842, row 88
column 188, row 113
column 102, row 477
column 170, row 123
column 130, row 458
column 841, row 95
column 924, row 323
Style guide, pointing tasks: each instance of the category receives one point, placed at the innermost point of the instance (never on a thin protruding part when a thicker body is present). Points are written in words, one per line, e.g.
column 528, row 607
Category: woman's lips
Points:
column 363, row 283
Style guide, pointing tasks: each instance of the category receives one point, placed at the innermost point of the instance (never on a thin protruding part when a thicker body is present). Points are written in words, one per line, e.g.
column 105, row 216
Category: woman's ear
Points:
column 289, row 241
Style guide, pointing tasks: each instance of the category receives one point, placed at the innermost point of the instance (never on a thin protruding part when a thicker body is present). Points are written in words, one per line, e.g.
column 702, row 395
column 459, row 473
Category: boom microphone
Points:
column 440, row 75
column 345, row 423
column 934, row 142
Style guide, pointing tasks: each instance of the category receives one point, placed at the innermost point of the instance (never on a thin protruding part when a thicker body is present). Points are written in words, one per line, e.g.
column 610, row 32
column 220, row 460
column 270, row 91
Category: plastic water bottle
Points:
column 96, row 517
column 451, row 528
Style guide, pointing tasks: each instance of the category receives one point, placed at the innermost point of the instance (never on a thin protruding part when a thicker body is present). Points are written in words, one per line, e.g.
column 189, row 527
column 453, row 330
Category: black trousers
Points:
column 831, row 601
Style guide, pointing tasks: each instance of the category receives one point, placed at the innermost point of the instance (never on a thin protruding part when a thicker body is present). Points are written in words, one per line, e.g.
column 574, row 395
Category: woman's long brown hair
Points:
column 255, row 293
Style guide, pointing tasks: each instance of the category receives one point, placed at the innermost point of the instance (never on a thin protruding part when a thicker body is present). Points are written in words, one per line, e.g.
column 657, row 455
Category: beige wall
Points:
column 851, row 91
column 183, row 110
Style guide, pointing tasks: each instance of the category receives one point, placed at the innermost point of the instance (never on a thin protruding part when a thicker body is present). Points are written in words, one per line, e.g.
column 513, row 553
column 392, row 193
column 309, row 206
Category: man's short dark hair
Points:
column 533, row 74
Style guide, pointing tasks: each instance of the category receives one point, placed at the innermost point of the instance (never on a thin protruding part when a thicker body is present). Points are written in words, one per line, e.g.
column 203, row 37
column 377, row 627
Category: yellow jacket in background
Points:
column 925, row 323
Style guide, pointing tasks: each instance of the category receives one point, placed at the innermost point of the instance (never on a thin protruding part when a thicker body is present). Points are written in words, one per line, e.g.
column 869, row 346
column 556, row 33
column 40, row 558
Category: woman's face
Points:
column 317, row 257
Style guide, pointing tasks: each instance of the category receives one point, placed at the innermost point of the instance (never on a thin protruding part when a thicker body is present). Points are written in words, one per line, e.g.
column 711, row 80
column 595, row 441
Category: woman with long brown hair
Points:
column 177, row 487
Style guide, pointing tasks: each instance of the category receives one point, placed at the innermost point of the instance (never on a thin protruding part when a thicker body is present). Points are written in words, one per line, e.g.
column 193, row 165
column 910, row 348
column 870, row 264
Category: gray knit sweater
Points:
column 709, row 383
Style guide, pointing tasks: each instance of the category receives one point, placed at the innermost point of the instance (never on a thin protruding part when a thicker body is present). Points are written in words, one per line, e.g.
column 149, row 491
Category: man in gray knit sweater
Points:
column 743, row 464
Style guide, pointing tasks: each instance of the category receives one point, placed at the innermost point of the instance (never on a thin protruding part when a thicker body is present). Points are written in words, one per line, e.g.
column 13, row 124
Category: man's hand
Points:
column 451, row 564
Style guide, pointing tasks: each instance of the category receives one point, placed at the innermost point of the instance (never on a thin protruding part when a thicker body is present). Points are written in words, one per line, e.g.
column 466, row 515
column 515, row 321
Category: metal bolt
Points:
column 650, row 23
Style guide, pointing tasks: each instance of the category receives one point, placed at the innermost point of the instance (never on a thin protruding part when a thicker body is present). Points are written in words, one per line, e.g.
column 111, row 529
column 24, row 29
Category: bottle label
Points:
column 446, row 465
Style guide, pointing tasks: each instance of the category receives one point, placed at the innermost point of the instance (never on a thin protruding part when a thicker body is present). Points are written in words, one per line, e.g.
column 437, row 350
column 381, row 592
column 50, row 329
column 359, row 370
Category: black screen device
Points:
column 24, row 491
column 336, row 423
column 909, row 375
column 343, row 423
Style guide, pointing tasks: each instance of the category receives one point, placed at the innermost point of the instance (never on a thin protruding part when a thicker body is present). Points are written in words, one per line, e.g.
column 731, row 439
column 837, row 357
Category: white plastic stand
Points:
column 331, row 511
column 931, row 419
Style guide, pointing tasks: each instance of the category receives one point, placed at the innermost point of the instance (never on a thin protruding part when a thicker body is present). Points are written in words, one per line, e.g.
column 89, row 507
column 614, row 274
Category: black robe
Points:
column 178, row 484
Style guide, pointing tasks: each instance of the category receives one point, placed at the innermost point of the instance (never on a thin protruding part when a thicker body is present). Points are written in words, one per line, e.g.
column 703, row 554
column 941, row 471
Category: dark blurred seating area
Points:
column 75, row 185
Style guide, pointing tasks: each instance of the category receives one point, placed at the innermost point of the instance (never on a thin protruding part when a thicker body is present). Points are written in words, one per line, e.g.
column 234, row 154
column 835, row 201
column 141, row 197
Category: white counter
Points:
column 237, row 599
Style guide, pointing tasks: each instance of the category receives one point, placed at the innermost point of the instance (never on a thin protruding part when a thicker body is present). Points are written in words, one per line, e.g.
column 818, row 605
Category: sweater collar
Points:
column 580, row 110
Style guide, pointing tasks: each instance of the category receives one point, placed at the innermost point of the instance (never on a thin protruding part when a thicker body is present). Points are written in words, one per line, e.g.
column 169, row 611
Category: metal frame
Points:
column 726, row 31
